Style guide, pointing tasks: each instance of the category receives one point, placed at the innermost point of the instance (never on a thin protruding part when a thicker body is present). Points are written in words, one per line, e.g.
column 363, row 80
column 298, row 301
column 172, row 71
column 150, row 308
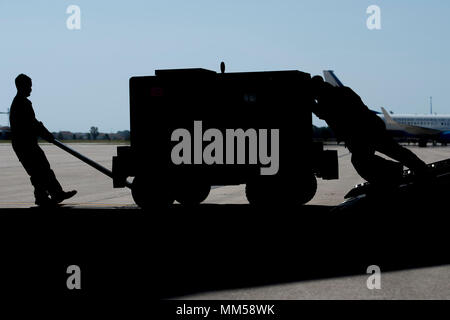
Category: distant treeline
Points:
column 322, row 133
column 92, row 135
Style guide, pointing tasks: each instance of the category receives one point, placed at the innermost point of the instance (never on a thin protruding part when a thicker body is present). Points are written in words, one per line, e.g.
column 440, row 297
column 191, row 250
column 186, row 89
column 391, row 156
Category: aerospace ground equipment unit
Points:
column 192, row 129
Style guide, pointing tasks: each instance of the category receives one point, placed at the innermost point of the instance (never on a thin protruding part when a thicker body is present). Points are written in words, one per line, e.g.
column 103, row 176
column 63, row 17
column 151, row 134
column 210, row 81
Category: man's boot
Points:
column 63, row 195
column 43, row 200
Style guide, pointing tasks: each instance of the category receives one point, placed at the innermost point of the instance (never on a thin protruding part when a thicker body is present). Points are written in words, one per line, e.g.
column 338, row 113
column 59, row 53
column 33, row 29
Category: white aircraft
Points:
column 424, row 128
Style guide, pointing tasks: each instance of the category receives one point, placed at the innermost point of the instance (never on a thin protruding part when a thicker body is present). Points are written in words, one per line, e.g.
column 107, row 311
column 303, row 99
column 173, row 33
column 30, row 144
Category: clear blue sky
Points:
column 80, row 77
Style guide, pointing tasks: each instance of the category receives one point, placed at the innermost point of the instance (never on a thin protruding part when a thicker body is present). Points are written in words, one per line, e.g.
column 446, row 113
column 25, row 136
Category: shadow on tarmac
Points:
column 166, row 253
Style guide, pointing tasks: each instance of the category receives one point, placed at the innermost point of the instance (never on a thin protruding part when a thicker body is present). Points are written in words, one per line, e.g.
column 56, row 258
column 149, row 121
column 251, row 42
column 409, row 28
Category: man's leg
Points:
column 38, row 180
column 42, row 176
column 47, row 176
column 52, row 184
column 377, row 170
column 41, row 195
column 388, row 146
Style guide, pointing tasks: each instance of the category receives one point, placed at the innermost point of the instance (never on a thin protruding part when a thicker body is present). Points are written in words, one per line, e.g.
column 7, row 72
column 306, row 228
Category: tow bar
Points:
column 86, row 160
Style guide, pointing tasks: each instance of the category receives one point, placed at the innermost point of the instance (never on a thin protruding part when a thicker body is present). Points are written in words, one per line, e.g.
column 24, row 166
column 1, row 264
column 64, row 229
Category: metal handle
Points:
column 86, row 160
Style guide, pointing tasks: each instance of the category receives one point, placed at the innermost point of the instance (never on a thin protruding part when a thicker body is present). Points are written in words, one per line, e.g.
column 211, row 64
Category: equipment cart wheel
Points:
column 298, row 192
column 306, row 189
column 192, row 194
column 145, row 197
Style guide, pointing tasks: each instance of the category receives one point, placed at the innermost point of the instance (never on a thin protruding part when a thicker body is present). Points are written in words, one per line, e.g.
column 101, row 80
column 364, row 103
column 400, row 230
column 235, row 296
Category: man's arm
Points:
column 42, row 131
column 319, row 110
column 38, row 127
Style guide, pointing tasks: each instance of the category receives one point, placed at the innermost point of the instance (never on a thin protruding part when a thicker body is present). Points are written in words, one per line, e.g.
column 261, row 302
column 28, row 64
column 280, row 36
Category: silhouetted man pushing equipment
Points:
column 25, row 130
column 364, row 133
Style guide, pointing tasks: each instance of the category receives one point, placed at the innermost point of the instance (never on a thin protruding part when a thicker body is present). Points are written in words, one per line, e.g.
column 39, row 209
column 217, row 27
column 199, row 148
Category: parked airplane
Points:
column 424, row 128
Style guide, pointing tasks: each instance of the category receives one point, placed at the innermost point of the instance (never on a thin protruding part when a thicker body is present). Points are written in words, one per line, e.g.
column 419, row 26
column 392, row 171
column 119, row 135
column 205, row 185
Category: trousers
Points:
column 378, row 170
column 35, row 163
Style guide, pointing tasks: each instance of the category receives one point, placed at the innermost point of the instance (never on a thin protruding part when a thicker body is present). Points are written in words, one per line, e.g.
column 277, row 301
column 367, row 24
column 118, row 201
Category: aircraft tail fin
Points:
column 387, row 117
column 392, row 124
column 332, row 79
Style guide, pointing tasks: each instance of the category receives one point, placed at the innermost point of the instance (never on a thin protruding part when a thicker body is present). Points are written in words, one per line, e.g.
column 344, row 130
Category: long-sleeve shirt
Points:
column 25, row 128
column 347, row 115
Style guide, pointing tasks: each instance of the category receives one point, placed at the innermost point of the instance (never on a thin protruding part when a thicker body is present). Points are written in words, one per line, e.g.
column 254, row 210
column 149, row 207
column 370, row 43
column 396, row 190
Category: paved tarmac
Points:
column 95, row 189
column 96, row 192
column 416, row 284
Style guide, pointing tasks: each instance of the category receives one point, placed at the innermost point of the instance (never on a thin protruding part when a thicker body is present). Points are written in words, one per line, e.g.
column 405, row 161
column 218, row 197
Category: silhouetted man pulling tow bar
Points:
column 25, row 130
column 364, row 133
